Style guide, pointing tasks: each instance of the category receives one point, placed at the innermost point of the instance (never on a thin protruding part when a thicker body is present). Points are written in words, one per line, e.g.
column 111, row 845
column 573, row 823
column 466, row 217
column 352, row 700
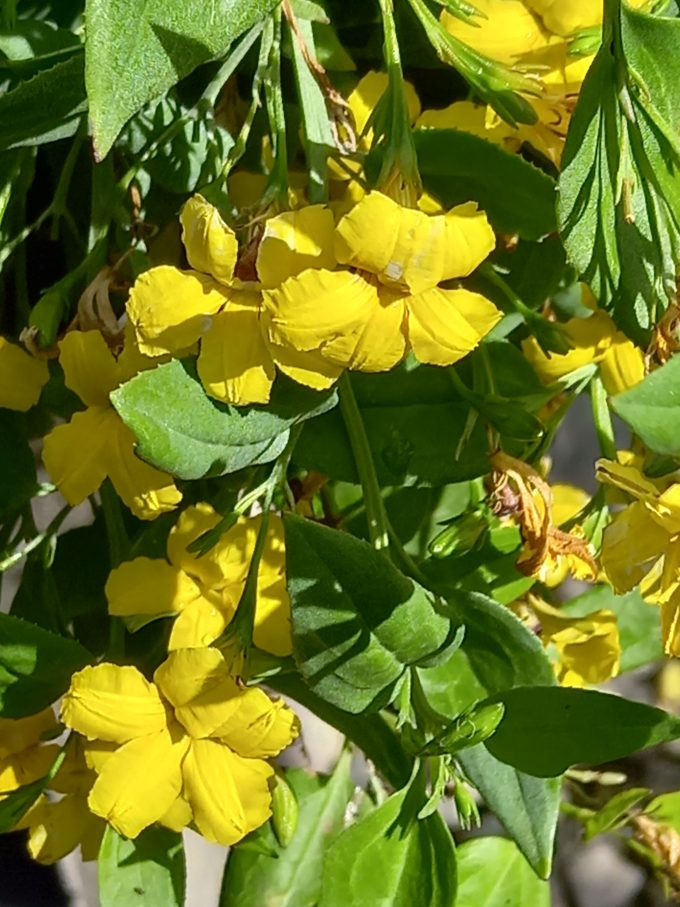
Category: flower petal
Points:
column 197, row 683
column 590, row 339
column 508, row 31
column 58, row 828
column 308, row 368
column 211, row 245
column 272, row 630
column 168, row 308
column 294, row 241
column 140, row 782
column 229, row 795
column 411, row 250
column 90, row 368
column 445, row 325
column 74, row 454
column 22, row 377
column 622, row 366
column 226, row 563
column 631, row 544
column 202, row 621
column 178, row 816
column 234, row 363
column 114, row 703
column 260, row 727
column 25, row 767
column 17, row 734
column 147, row 491
column 149, row 586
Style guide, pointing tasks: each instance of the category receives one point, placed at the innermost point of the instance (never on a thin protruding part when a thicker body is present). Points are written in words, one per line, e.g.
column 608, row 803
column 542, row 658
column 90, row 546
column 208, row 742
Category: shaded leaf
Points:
column 147, row 870
column 493, row 873
column 652, row 408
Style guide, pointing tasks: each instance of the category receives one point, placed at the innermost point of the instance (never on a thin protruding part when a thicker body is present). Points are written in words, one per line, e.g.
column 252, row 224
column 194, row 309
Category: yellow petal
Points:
column 131, row 360
column 260, row 726
column 226, row 563
column 58, row 829
column 470, row 117
column 622, row 366
column 626, row 477
column 206, row 618
column 294, row 241
column 567, row 501
column 18, row 733
column 590, row 338
column 235, row 365
column 272, row 630
column 211, row 245
column 631, row 544
column 114, row 703
column 445, row 325
column 567, row 18
column 364, row 98
column 309, row 368
column 140, row 782
column 229, row 796
column 321, row 311
column 409, row 249
column 149, row 586
column 169, row 308
column 74, row 454
column 197, row 683
column 90, row 368
column 147, row 491
column 508, row 32
column 22, row 377
column 381, row 344
column 26, row 767
column 178, row 816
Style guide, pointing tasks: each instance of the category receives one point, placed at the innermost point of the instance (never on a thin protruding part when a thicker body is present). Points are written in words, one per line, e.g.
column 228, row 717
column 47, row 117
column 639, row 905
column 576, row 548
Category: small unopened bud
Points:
column 461, row 536
column 468, row 814
column 285, row 811
column 472, row 727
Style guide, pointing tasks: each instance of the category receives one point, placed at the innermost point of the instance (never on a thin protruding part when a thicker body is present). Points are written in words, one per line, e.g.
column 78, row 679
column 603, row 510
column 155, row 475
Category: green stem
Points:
column 378, row 525
column 119, row 543
column 52, row 529
column 602, row 418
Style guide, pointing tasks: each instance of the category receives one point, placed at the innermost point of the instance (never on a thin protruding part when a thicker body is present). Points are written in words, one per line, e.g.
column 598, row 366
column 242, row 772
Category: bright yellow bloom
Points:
column 58, row 826
column 641, row 546
column 219, row 301
column 96, row 443
column 367, row 318
column 204, row 590
column 594, row 340
column 22, row 377
column 23, row 758
column 588, row 648
column 190, row 746
column 565, row 17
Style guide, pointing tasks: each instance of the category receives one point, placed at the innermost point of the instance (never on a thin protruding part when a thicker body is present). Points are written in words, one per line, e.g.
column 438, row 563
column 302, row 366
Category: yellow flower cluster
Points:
column 313, row 298
column 641, row 546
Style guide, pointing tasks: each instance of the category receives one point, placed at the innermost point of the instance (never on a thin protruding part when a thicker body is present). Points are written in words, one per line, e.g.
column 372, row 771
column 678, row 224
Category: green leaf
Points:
column 665, row 809
column 389, row 860
column 35, row 666
column 357, row 621
column 652, row 408
column 371, row 733
column 619, row 200
column 48, row 107
column 457, row 167
column 17, row 463
column 148, row 870
column 493, row 873
column 135, row 51
column 183, row 431
column 291, row 876
column 547, row 729
column 32, row 45
column 498, row 653
column 414, row 422
column 614, row 812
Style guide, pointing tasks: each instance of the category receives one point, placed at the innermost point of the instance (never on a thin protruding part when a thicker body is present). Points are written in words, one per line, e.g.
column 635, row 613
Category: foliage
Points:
column 294, row 300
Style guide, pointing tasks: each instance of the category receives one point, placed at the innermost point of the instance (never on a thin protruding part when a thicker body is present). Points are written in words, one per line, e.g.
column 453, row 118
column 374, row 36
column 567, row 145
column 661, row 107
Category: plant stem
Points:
column 378, row 526
column 602, row 418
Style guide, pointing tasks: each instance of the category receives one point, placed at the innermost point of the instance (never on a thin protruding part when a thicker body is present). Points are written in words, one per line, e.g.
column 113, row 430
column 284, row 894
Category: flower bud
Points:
column 285, row 811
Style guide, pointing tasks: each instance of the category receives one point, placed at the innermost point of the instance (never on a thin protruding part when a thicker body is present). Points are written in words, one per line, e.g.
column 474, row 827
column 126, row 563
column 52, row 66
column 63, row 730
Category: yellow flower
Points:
column 367, row 318
column 641, row 545
column 22, row 377
column 594, row 340
column 191, row 746
column 23, row 758
column 58, row 826
column 96, row 443
column 219, row 301
column 565, row 17
column 476, row 119
column 204, row 590
column 588, row 648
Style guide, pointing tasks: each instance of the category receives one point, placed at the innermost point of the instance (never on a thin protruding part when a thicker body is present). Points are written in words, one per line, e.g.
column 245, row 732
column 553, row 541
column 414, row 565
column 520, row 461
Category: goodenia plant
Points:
column 296, row 297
